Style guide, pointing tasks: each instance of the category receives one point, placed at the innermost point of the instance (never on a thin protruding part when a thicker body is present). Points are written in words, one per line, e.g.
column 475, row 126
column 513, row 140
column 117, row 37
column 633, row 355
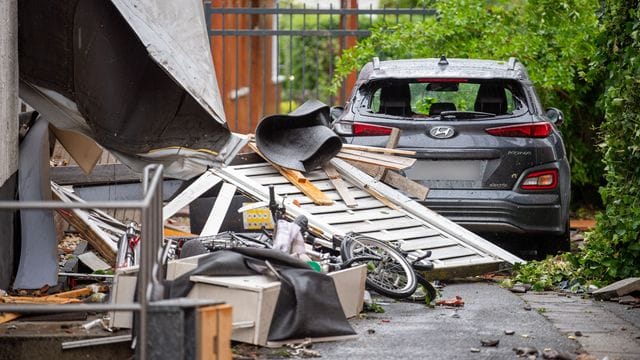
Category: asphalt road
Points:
column 414, row 331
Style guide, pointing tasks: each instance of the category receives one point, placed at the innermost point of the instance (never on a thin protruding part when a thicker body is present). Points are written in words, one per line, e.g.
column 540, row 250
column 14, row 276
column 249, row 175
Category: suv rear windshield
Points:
column 419, row 98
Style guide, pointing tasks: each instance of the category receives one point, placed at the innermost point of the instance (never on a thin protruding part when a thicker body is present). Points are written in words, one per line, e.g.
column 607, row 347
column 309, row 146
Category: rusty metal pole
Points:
column 8, row 129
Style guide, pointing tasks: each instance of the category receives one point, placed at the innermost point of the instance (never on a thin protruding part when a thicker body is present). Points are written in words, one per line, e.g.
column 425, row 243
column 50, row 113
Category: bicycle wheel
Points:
column 390, row 274
column 424, row 290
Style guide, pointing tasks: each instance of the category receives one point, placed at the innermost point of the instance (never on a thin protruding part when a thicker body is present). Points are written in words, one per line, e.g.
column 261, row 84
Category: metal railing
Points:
column 150, row 269
column 271, row 59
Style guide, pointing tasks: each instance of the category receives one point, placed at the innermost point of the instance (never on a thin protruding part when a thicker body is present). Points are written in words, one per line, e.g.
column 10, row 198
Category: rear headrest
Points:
column 396, row 100
column 492, row 99
column 437, row 108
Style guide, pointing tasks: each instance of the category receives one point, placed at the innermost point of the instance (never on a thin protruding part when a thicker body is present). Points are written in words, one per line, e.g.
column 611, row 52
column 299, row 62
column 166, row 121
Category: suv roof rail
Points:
column 376, row 63
column 512, row 63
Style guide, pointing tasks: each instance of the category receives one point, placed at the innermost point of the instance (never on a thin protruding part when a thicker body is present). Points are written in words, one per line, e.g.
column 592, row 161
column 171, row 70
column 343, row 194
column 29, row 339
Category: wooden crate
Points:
column 213, row 332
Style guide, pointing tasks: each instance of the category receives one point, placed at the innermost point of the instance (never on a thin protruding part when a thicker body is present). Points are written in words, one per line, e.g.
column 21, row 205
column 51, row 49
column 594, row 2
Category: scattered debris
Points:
column 455, row 302
column 578, row 333
column 509, row 332
column 526, row 351
column 618, row 289
column 489, row 342
column 93, row 262
column 520, row 288
column 474, row 350
column 371, row 331
column 527, row 307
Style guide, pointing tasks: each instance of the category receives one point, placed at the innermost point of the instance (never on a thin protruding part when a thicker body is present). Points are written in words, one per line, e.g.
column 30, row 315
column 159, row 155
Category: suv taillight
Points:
column 533, row 130
column 362, row 129
column 541, row 180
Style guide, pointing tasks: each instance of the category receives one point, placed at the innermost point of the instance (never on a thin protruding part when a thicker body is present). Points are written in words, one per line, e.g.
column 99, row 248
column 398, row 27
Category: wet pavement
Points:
column 564, row 323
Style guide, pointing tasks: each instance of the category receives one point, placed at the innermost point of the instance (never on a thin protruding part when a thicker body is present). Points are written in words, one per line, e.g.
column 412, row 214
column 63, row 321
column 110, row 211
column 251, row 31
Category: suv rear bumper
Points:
column 501, row 211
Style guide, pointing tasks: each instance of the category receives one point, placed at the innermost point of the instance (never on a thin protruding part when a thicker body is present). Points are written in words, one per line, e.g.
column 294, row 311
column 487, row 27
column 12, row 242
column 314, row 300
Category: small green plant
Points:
column 541, row 310
column 373, row 307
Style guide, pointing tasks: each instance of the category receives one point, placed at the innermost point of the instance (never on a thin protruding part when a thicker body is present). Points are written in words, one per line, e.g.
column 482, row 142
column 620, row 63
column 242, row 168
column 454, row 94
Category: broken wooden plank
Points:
column 101, row 174
column 80, row 220
column 394, row 179
column 205, row 182
column 299, row 181
column 378, row 149
column 392, row 142
column 6, row 317
column 341, row 187
column 219, row 210
column 36, row 300
column 388, row 161
column 93, row 262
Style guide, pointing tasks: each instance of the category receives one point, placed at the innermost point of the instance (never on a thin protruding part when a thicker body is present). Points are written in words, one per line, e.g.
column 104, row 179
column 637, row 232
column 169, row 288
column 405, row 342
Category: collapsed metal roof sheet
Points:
column 135, row 76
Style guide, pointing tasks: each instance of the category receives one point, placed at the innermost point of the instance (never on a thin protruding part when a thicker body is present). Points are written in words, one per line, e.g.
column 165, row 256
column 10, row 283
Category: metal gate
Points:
column 270, row 57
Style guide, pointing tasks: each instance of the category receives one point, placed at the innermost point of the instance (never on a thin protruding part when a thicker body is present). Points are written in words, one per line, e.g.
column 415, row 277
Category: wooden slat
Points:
column 394, row 179
column 298, row 180
column 378, row 149
column 340, row 185
column 388, row 161
column 101, row 174
column 219, row 210
column 96, row 237
column 205, row 182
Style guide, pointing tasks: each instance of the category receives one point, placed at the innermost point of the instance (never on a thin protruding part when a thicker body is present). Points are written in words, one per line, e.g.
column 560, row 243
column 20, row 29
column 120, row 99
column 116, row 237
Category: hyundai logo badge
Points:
column 442, row 132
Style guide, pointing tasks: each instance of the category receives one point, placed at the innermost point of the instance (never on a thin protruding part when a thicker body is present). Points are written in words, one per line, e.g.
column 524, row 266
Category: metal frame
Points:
column 322, row 30
column 150, row 269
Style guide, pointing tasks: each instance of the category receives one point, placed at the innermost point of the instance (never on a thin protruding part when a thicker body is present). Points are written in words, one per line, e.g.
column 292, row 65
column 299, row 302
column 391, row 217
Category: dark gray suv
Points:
column 490, row 154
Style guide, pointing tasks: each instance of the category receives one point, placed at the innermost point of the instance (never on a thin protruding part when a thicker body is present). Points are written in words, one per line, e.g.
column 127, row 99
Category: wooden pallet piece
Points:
column 299, row 181
column 378, row 149
column 394, row 179
column 388, row 161
column 341, row 187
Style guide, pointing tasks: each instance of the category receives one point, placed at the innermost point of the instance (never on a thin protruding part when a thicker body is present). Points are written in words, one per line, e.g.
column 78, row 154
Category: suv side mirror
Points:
column 335, row 112
column 556, row 116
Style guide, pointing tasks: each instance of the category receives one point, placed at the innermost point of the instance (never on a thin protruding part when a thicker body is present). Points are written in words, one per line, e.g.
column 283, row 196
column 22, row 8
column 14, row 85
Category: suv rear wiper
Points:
column 448, row 115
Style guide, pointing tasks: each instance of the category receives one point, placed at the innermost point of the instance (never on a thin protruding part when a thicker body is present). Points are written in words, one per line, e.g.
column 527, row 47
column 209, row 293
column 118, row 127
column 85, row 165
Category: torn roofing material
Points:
column 301, row 140
column 136, row 77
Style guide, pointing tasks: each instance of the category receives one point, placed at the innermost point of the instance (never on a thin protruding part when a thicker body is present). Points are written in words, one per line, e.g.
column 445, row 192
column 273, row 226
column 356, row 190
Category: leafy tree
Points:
column 554, row 39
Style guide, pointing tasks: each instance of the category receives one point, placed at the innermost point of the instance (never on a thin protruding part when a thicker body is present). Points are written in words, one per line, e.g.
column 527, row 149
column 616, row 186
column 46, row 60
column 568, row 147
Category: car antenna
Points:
column 443, row 61
column 376, row 63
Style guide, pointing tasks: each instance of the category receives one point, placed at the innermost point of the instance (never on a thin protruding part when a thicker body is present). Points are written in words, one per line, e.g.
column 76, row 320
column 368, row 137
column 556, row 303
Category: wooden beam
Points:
column 341, row 187
column 396, row 180
column 101, row 174
column 378, row 149
column 388, row 161
column 299, row 181
column 79, row 219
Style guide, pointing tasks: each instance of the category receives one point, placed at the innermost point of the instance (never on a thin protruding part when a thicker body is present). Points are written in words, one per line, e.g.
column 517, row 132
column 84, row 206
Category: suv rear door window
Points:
column 419, row 98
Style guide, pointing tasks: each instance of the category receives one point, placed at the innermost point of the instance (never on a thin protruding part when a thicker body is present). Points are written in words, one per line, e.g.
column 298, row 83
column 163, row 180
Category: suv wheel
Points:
column 554, row 244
